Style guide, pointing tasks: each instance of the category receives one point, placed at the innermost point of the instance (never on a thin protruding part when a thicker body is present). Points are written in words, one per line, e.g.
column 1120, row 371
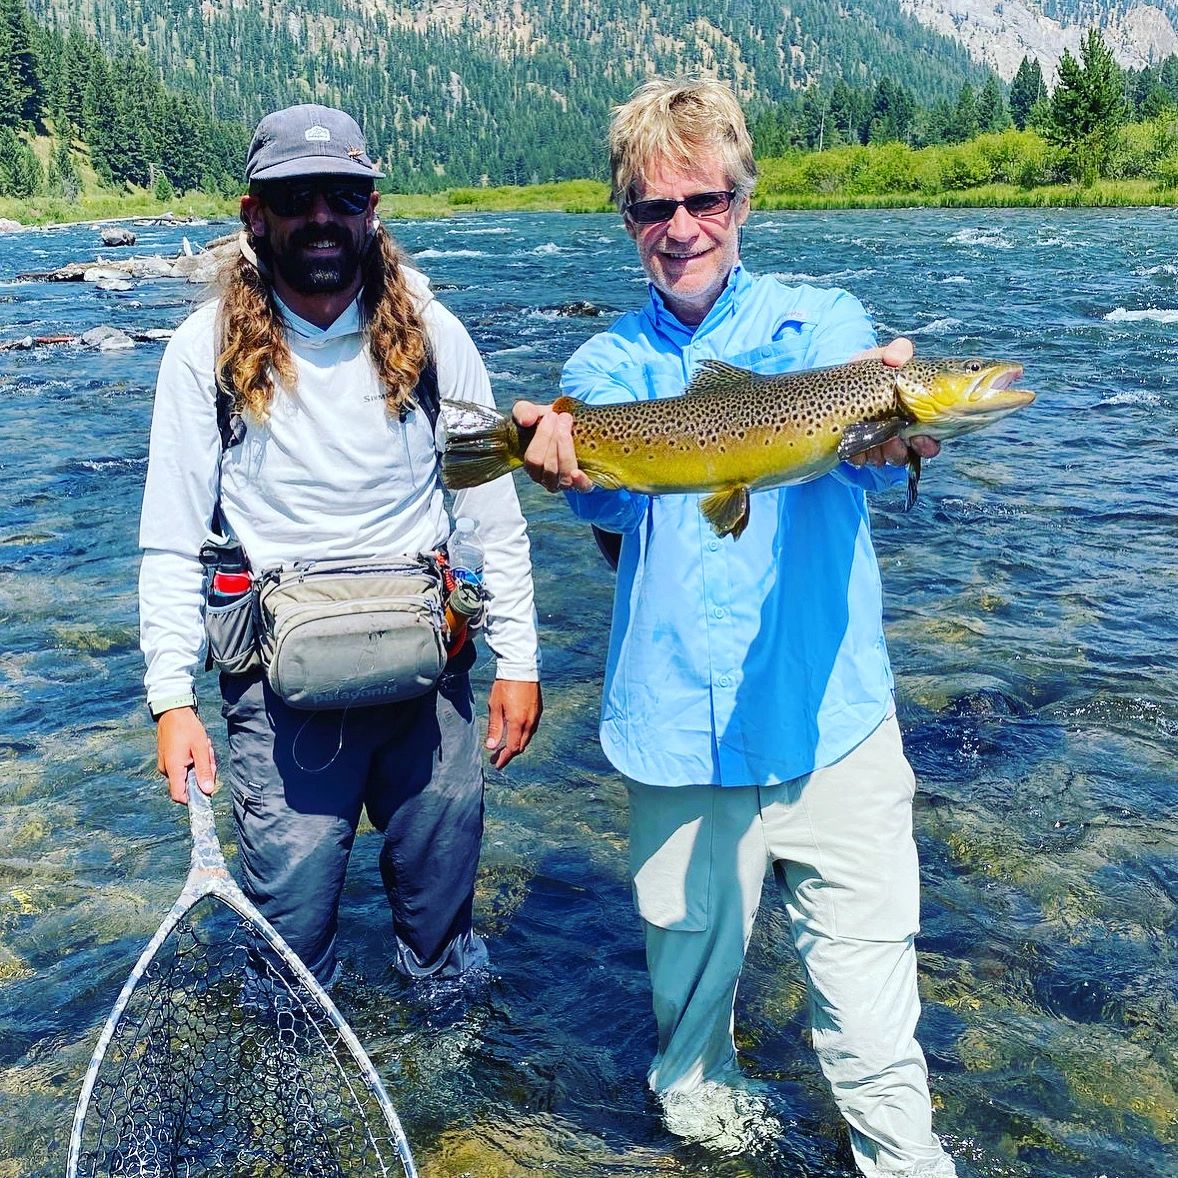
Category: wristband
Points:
column 159, row 707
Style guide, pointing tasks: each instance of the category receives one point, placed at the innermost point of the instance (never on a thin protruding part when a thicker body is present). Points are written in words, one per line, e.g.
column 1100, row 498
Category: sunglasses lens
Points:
column 287, row 202
column 651, row 212
column 707, row 204
column 347, row 200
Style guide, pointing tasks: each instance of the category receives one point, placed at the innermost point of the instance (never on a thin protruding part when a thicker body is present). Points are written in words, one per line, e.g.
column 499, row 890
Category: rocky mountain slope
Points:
column 1000, row 33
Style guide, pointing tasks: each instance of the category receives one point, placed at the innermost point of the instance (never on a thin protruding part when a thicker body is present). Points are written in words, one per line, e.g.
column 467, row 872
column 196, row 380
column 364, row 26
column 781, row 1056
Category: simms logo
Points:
column 317, row 134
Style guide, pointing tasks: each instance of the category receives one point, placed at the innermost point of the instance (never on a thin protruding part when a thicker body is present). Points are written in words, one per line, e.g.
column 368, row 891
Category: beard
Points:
column 307, row 274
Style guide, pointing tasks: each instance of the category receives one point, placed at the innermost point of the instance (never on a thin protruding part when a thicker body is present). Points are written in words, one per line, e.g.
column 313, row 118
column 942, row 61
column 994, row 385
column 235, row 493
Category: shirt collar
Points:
column 348, row 323
column 666, row 322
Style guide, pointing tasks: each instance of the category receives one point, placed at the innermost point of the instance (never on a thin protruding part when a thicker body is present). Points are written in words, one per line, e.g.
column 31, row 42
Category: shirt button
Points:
column 719, row 612
column 724, row 681
column 713, row 545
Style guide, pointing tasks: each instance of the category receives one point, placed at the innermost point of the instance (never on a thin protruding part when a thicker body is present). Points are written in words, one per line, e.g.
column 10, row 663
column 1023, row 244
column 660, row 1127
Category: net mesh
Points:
column 224, row 1063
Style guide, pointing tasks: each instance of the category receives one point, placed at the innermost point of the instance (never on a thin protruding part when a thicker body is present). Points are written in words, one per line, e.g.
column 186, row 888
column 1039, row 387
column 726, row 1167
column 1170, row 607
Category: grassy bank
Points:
column 1103, row 194
column 112, row 206
column 96, row 204
column 1015, row 169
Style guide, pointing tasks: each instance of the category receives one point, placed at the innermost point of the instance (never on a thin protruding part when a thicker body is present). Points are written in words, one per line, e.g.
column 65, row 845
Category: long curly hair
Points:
column 252, row 342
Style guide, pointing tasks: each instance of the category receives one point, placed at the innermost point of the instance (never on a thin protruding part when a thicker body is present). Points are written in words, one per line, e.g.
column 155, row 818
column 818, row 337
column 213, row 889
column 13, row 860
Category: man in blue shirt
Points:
column 748, row 697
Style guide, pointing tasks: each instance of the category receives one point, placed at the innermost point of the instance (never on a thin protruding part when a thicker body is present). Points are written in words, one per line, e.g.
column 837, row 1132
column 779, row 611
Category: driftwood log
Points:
column 102, row 338
column 198, row 266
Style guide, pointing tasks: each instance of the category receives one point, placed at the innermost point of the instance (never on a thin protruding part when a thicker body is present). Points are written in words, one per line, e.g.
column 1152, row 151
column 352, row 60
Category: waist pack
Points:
column 351, row 633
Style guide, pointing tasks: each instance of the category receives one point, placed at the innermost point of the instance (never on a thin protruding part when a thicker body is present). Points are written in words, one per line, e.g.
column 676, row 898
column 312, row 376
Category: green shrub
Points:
column 890, row 167
column 1166, row 173
column 828, row 172
column 963, row 166
column 783, row 174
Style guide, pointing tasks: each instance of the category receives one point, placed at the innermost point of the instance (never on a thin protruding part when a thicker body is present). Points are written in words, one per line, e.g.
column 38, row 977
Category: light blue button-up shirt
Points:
column 749, row 661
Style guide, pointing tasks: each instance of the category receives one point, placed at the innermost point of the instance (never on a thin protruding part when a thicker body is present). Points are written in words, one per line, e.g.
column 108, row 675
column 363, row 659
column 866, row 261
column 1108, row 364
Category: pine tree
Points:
column 993, row 114
column 1026, row 90
column 21, row 174
column 1088, row 108
column 21, row 61
column 964, row 124
column 63, row 179
column 893, row 112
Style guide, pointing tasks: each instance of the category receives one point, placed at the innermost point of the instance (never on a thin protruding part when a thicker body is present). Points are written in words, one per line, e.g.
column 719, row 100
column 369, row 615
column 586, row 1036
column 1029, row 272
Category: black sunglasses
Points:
column 296, row 200
column 699, row 204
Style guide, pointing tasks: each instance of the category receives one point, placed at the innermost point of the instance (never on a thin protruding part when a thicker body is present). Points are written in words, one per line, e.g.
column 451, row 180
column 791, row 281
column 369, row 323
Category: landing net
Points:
column 223, row 1056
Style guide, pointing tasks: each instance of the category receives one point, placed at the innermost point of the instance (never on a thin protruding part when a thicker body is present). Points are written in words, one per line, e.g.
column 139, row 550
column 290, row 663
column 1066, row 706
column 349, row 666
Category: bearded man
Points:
column 324, row 351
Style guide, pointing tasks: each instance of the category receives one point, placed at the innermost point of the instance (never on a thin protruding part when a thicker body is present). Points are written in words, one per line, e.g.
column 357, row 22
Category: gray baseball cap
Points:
column 308, row 140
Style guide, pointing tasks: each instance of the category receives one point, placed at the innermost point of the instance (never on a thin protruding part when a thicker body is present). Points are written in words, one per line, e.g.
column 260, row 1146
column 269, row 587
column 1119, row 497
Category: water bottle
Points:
column 465, row 552
column 231, row 578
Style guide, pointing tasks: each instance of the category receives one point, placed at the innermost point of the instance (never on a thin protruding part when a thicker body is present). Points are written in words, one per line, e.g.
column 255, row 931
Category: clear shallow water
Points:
column 1030, row 620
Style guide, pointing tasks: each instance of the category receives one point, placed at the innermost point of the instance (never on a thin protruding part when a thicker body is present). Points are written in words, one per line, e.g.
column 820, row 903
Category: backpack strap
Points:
column 427, row 394
column 231, row 427
column 231, row 424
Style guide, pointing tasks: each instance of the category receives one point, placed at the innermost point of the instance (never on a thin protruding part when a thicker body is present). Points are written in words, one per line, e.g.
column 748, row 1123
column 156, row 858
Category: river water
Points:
column 1029, row 601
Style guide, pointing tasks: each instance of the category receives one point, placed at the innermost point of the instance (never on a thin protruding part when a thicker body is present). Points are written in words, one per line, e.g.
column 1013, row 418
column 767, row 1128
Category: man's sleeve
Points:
column 615, row 511
column 510, row 624
column 181, row 489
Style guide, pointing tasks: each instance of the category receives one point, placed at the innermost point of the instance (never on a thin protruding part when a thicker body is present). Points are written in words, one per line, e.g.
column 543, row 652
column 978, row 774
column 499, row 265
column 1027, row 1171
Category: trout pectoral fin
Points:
column 727, row 511
column 865, row 434
column 913, row 480
column 606, row 480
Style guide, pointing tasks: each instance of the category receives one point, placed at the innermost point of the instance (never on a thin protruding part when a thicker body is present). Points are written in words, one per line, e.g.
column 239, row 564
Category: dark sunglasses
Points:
column 296, row 200
column 699, row 204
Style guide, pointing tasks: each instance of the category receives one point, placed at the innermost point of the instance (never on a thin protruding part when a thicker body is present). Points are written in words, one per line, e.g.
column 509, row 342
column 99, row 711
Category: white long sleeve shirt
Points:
column 331, row 474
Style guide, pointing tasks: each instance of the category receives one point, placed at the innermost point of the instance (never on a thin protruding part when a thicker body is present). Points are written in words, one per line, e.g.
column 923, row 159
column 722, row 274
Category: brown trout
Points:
column 734, row 431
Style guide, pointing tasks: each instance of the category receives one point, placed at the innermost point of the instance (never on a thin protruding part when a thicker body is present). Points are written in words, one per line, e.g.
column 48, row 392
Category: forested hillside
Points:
column 108, row 112
column 465, row 93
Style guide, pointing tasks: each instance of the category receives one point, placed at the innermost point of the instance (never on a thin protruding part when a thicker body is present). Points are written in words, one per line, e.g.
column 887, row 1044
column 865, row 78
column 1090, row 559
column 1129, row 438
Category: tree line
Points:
column 1092, row 100
column 469, row 96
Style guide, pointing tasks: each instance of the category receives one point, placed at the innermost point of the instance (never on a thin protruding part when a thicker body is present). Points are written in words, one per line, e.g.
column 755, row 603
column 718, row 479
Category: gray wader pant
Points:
column 299, row 781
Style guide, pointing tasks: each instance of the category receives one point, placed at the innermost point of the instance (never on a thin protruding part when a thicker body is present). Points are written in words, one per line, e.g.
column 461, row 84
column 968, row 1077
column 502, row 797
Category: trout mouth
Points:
column 963, row 396
column 992, row 387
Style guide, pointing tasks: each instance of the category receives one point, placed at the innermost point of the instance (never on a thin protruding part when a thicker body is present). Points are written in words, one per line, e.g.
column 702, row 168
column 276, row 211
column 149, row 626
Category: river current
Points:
column 1029, row 604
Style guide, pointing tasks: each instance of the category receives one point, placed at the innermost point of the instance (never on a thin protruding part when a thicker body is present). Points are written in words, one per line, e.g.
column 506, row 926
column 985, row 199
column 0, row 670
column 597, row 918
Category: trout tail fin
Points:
column 480, row 444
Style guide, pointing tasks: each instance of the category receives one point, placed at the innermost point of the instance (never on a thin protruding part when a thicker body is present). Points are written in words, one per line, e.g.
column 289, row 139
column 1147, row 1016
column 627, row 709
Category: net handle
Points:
column 206, row 849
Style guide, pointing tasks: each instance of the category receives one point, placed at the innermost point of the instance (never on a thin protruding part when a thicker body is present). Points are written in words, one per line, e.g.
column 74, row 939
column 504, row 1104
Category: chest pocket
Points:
column 788, row 350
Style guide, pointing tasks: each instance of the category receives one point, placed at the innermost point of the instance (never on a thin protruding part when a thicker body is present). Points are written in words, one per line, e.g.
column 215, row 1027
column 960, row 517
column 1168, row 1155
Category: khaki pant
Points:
column 841, row 847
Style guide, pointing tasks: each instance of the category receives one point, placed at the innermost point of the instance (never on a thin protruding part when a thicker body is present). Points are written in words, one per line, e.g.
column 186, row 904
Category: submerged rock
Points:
column 580, row 307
